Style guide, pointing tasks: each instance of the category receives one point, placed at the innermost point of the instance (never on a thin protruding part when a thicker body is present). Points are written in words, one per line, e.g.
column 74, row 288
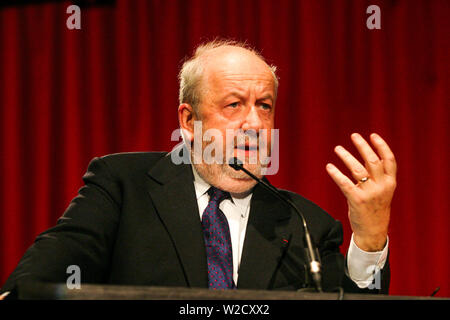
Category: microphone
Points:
column 312, row 255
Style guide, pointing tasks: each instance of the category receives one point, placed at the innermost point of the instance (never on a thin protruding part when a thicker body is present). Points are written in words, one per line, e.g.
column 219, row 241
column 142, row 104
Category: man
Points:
column 141, row 219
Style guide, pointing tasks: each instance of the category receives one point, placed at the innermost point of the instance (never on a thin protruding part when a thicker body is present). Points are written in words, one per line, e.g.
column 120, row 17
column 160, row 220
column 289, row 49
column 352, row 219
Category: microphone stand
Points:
column 314, row 266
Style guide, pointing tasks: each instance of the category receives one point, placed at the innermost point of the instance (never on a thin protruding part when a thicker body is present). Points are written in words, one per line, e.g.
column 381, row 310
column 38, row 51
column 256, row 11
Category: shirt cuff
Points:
column 362, row 265
column 3, row 295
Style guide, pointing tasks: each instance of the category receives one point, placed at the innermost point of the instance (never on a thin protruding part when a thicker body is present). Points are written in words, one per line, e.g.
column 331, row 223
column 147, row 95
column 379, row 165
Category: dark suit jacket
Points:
column 136, row 222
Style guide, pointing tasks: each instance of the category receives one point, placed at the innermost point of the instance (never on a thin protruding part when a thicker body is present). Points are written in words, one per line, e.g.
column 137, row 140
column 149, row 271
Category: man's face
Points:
column 238, row 95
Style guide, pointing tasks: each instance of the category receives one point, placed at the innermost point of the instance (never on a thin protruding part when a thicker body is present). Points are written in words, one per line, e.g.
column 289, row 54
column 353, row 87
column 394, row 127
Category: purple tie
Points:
column 216, row 233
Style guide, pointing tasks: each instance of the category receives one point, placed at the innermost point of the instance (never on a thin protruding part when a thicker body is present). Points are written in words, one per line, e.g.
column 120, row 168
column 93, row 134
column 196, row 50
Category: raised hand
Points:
column 369, row 196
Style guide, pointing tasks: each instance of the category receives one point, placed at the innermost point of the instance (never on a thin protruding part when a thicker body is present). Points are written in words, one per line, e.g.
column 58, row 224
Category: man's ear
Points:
column 186, row 118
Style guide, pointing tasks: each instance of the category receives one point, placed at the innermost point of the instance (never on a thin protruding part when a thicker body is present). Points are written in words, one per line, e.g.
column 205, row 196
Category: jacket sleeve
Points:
column 83, row 236
column 334, row 264
column 327, row 232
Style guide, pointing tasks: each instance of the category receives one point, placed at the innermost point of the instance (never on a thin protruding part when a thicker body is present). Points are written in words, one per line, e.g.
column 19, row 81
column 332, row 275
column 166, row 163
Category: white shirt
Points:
column 360, row 263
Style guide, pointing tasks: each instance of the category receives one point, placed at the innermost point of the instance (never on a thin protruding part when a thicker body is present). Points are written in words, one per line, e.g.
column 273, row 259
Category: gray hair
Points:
column 192, row 70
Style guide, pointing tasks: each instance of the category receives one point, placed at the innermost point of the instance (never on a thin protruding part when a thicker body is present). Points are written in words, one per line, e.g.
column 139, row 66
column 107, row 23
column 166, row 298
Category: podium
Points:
column 46, row 291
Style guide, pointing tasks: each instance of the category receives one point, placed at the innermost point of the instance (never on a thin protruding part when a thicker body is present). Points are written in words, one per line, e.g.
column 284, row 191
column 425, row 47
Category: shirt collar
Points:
column 201, row 186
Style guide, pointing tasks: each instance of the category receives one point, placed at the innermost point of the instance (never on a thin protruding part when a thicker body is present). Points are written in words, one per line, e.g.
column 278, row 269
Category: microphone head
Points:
column 235, row 163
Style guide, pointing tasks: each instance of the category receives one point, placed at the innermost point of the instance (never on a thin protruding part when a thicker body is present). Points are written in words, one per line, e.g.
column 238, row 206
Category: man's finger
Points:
column 356, row 168
column 386, row 154
column 344, row 183
column 373, row 163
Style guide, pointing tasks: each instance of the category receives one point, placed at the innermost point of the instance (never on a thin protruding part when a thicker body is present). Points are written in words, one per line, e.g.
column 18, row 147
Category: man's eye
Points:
column 266, row 106
column 234, row 104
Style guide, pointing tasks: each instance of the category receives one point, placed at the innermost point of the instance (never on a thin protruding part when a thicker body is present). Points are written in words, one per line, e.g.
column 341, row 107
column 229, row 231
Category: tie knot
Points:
column 217, row 195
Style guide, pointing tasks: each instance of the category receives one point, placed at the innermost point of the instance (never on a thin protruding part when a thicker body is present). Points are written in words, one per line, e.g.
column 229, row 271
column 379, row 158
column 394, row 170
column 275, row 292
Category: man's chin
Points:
column 237, row 185
column 226, row 178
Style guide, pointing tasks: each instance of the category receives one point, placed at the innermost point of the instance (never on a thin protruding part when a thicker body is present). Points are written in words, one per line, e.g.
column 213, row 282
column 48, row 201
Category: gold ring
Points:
column 364, row 179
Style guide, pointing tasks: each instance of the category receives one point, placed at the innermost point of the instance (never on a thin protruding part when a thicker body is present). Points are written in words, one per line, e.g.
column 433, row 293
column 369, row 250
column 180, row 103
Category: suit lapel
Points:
column 172, row 190
column 266, row 237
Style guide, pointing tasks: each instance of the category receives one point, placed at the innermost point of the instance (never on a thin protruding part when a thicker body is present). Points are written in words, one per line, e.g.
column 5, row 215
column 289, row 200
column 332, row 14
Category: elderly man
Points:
column 142, row 219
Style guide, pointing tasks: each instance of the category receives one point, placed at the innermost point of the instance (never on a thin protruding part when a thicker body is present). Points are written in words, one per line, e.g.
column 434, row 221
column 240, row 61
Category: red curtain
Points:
column 67, row 96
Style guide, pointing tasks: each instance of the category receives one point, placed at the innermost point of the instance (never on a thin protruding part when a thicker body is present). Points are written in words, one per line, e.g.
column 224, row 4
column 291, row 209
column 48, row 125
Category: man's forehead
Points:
column 228, row 77
column 235, row 62
column 239, row 85
column 238, row 73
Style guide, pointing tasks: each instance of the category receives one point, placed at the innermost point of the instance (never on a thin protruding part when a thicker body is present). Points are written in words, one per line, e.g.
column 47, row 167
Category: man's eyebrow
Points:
column 240, row 96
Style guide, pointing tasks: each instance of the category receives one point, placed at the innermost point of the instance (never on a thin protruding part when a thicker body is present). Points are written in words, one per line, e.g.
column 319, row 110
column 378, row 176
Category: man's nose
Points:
column 252, row 119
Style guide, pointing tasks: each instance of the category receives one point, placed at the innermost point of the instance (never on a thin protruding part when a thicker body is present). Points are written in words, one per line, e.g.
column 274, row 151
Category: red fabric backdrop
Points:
column 69, row 95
